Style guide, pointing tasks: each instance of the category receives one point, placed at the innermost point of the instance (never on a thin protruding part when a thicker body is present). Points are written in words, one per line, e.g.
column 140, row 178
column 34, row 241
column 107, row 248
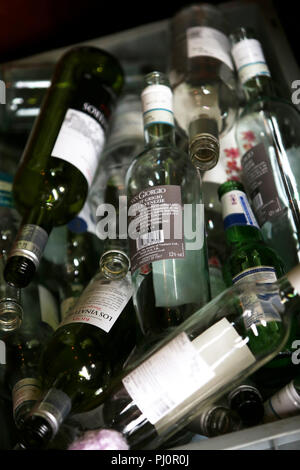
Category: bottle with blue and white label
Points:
column 250, row 258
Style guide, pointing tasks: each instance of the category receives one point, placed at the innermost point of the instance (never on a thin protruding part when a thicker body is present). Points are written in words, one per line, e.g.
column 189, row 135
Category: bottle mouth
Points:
column 114, row 264
column 11, row 315
column 204, row 151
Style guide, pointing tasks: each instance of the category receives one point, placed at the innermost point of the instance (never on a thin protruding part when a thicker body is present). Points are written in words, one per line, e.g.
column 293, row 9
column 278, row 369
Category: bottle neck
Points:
column 258, row 87
column 159, row 135
column 239, row 234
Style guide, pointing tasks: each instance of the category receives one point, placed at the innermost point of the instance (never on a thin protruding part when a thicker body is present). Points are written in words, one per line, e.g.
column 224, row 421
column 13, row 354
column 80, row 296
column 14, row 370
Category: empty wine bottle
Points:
column 166, row 221
column 11, row 311
column 249, row 254
column 199, row 362
column 24, row 347
column 215, row 421
column 61, row 156
column 247, row 402
column 203, row 81
column 268, row 139
column 90, row 346
column 284, row 403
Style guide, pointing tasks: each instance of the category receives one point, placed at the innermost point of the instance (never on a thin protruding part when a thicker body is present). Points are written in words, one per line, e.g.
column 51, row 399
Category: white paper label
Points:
column 249, row 59
column 183, row 373
column 80, row 142
column 206, row 41
column 49, row 307
column 157, row 105
column 236, row 210
column 101, row 303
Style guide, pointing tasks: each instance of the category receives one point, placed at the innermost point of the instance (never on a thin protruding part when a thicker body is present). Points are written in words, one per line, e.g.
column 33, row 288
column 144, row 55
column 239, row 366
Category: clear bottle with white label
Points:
column 267, row 133
column 88, row 348
column 201, row 74
column 165, row 221
column 62, row 152
column 205, row 358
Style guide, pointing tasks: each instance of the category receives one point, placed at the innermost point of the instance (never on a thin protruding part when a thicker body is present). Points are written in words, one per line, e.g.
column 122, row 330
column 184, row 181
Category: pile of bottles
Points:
column 150, row 261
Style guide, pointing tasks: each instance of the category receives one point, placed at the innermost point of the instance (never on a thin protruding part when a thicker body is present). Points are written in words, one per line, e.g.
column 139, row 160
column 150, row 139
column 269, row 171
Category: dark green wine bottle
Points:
column 61, row 155
column 87, row 350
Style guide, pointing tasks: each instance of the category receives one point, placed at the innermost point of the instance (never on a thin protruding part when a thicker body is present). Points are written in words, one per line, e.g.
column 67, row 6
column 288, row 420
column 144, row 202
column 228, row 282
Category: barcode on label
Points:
column 257, row 201
column 150, row 238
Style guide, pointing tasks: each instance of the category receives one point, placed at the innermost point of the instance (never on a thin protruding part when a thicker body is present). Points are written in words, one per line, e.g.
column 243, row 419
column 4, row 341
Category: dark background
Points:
column 32, row 26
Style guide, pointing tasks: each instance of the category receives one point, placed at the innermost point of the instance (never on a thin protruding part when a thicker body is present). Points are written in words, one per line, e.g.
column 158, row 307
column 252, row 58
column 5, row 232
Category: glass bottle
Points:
column 227, row 168
column 269, row 143
column 61, row 155
column 284, row 403
column 249, row 255
column 90, row 346
column 219, row 346
column 124, row 142
column 24, row 347
column 246, row 400
column 215, row 421
column 166, row 221
column 11, row 311
column 70, row 258
column 202, row 77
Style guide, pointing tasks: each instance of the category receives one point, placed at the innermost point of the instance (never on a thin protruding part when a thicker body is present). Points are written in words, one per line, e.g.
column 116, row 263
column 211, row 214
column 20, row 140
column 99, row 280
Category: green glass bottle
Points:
column 166, row 221
column 207, row 356
column 267, row 133
column 61, row 155
column 88, row 348
column 249, row 255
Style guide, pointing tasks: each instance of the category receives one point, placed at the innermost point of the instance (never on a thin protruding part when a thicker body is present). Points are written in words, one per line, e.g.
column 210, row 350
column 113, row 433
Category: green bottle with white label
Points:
column 251, row 259
column 61, row 155
column 249, row 255
column 88, row 348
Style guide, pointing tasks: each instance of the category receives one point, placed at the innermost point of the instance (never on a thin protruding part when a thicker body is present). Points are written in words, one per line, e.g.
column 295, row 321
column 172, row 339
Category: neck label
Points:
column 249, row 59
column 157, row 105
column 236, row 210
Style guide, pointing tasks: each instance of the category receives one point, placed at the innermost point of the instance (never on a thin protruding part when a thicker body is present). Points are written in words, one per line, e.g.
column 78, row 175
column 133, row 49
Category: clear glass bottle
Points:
column 166, row 221
column 90, row 347
column 201, row 74
column 197, row 364
column 124, row 142
column 269, row 142
column 61, row 155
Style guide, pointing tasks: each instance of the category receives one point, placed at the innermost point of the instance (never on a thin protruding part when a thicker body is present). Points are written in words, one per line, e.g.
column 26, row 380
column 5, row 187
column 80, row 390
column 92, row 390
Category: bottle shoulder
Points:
column 271, row 104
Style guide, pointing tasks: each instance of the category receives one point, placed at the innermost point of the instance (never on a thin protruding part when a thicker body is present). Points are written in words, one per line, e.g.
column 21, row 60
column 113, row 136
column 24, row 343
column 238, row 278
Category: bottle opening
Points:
column 204, row 151
column 114, row 264
column 11, row 315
